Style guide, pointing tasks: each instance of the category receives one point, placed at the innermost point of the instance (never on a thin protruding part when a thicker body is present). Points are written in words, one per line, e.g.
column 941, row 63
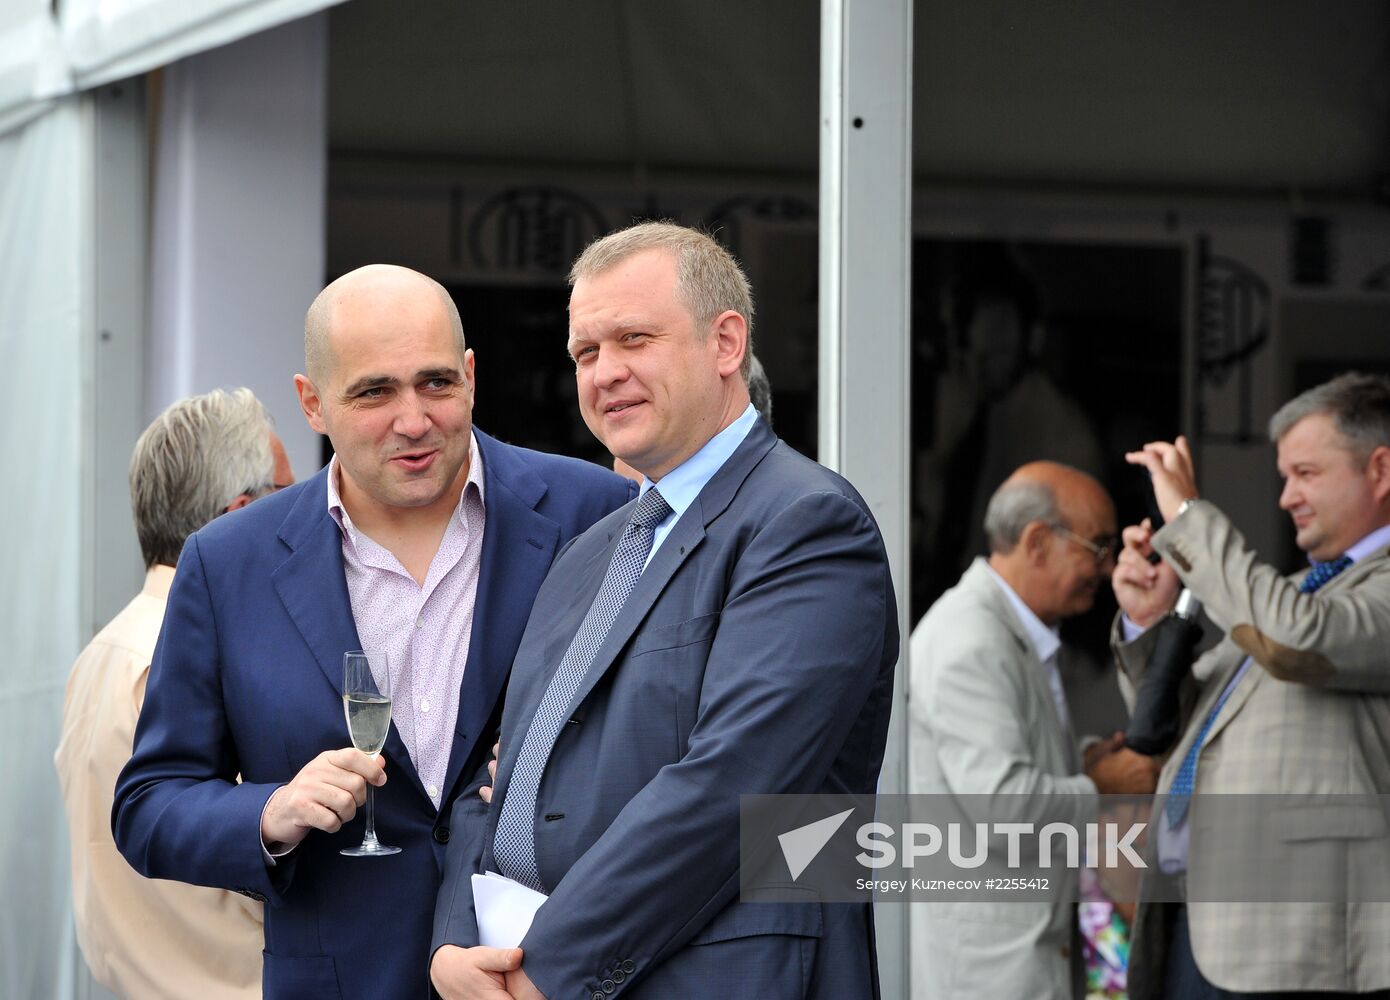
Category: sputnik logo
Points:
column 800, row 846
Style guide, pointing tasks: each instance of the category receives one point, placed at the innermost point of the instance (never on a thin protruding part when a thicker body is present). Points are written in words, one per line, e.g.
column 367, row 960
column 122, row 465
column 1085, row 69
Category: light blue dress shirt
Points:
column 683, row 484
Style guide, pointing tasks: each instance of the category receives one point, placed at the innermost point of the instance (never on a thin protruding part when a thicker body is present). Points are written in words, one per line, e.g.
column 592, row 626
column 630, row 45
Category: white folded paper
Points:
column 504, row 909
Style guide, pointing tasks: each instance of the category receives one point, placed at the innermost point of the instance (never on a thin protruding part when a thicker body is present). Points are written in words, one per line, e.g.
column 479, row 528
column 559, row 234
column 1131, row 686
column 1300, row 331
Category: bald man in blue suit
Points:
column 242, row 776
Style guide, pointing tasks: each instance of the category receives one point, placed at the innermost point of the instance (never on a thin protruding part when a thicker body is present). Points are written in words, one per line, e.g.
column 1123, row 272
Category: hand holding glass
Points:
column 367, row 706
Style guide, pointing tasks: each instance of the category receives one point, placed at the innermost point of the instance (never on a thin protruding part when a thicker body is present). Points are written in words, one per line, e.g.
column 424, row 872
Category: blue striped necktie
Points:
column 515, row 843
column 1186, row 779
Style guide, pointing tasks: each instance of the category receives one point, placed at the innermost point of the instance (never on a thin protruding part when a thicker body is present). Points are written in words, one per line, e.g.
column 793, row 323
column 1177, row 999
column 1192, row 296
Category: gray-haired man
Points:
column 988, row 717
column 201, row 457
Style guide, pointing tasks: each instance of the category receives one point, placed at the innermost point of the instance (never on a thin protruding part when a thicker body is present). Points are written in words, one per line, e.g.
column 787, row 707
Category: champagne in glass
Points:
column 367, row 707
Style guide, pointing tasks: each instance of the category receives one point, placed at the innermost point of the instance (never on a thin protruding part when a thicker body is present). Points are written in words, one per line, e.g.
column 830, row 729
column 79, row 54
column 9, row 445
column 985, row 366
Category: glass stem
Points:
column 369, row 838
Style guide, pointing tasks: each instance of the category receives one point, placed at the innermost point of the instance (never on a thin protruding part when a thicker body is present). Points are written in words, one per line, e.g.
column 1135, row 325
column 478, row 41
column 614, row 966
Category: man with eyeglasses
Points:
column 988, row 717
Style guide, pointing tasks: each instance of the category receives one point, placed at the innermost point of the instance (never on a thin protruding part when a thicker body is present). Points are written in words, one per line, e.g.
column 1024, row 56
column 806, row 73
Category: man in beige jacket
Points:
column 989, row 718
column 1295, row 701
column 145, row 938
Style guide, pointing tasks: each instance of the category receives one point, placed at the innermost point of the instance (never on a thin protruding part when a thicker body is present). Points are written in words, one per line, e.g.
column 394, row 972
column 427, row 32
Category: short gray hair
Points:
column 195, row 459
column 1358, row 404
column 709, row 278
column 1014, row 506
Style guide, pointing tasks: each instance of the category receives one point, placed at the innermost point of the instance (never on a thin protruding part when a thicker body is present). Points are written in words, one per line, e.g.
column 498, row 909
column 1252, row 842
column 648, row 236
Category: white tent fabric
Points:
column 231, row 215
column 42, row 270
column 98, row 41
column 33, row 69
column 107, row 40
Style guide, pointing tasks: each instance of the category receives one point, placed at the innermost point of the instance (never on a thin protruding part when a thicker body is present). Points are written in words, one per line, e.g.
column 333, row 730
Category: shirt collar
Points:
column 1372, row 543
column 339, row 513
column 1046, row 641
column 683, row 484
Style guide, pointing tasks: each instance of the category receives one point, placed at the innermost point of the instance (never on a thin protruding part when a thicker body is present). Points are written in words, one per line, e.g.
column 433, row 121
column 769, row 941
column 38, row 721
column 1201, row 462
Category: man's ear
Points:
column 1378, row 470
column 731, row 336
column 1036, row 540
column 242, row 499
column 311, row 403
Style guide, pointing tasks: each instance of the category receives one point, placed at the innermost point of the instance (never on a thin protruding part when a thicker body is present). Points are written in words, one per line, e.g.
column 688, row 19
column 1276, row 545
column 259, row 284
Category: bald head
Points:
column 1052, row 538
column 1048, row 492
column 374, row 281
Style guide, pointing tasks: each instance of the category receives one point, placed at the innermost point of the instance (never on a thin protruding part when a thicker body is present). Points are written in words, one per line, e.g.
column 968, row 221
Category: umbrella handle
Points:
column 1154, row 724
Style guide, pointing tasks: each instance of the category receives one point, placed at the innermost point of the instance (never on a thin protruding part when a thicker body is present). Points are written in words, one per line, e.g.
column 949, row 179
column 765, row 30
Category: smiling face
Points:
column 652, row 387
column 1334, row 500
column 395, row 395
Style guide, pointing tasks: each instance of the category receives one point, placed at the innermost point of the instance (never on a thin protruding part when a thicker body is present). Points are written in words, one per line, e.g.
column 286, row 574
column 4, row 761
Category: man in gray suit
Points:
column 731, row 632
column 1295, row 699
column 988, row 717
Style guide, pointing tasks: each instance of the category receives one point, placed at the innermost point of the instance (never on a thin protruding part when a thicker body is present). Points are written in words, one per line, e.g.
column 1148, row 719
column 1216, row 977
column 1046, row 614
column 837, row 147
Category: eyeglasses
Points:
column 1102, row 550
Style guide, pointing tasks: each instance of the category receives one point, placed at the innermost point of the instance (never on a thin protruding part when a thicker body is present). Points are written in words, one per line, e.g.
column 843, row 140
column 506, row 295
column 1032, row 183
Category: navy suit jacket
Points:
column 754, row 656
column 247, row 679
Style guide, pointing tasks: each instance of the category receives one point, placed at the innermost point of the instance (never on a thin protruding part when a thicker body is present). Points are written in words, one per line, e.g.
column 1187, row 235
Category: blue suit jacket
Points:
column 754, row 656
column 247, row 680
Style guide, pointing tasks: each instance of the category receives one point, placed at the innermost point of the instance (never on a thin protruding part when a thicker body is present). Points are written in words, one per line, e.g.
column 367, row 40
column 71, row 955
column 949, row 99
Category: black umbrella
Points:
column 1153, row 726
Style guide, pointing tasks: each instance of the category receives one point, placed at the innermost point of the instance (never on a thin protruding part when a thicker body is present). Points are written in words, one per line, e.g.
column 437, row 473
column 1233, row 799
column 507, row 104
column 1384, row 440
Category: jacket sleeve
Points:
column 179, row 812
column 454, row 919
column 1334, row 638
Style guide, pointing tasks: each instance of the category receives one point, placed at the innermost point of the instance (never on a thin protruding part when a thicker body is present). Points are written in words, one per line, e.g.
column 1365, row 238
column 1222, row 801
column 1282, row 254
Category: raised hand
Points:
column 1145, row 591
column 1171, row 469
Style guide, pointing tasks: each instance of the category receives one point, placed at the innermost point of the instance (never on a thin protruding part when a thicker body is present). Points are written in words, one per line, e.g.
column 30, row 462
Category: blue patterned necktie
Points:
column 1180, row 794
column 515, row 843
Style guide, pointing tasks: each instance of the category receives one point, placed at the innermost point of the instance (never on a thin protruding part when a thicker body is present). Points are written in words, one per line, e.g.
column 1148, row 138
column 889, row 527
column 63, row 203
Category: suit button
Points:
column 441, row 834
column 596, row 995
column 619, row 975
column 609, row 986
column 628, row 967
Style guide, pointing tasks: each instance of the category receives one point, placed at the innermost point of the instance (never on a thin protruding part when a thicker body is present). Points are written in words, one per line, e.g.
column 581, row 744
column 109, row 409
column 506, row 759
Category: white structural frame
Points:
column 115, row 332
column 865, row 340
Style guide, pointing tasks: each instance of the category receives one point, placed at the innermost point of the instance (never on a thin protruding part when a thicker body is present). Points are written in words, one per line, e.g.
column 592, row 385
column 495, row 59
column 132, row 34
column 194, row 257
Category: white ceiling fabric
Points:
column 98, row 41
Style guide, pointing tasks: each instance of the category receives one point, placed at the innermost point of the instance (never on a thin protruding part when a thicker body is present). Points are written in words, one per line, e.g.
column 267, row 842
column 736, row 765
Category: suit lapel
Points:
column 678, row 546
column 518, row 546
column 585, row 565
column 981, row 581
column 313, row 588
column 1254, row 676
column 311, row 582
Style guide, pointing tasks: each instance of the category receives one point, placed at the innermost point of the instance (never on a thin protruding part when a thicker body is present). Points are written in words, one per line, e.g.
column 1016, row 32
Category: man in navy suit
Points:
column 732, row 632
column 423, row 537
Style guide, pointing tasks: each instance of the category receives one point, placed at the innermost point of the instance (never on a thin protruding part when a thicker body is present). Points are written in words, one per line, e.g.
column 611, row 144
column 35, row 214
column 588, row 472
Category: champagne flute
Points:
column 367, row 706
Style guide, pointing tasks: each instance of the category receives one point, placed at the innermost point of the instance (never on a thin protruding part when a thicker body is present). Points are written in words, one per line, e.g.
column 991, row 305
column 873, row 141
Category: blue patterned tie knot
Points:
column 1175, row 808
column 651, row 510
column 1322, row 572
column 514, row 844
